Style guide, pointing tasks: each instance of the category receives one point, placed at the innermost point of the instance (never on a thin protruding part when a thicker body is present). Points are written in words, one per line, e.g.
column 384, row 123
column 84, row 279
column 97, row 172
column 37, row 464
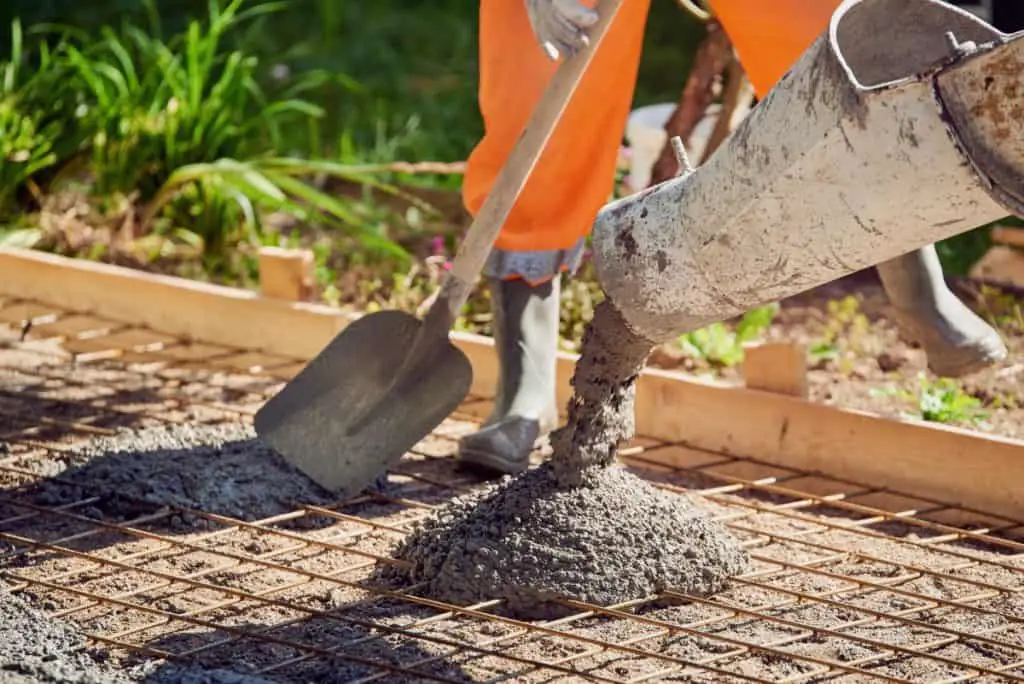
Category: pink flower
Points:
column 437, row 245
column 447, row 265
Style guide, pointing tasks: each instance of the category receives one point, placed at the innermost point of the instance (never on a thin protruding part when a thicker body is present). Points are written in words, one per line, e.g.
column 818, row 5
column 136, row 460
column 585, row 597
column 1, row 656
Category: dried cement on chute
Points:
column 580, row 526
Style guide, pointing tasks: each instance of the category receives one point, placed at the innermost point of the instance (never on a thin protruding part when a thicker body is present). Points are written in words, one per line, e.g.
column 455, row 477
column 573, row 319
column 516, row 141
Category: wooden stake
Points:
column 778, row 367
column 286, row 274
column 736, row 104
column 1000, row 265
column 1005, row 235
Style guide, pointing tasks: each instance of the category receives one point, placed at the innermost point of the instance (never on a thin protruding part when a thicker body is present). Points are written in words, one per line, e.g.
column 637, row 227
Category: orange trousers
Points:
column 575, row 175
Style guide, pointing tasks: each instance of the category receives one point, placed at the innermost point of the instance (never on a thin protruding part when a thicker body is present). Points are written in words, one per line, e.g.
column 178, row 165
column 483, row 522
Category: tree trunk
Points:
column 713, row 57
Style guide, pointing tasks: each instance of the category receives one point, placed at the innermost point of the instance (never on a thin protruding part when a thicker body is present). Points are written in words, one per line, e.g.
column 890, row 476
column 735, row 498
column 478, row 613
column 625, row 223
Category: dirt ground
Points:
column 876, row 370
column 169, row 569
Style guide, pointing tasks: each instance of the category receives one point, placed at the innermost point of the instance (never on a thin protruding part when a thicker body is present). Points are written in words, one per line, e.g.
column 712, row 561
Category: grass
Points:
column 180, row 127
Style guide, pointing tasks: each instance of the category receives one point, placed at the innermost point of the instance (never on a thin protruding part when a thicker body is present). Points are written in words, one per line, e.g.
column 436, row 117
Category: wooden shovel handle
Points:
column 474, row 250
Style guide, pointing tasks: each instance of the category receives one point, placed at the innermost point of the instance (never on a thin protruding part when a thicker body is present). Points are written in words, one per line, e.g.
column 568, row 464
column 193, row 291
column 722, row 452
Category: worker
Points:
column 520, row 44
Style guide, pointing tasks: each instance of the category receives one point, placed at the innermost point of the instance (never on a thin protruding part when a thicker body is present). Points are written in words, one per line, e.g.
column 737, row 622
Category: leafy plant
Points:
column 718, row 345
column 845, row 336
column 152, row 107
column 183, row 128
column 939, row 401
column 242, row 190
column 27, row 134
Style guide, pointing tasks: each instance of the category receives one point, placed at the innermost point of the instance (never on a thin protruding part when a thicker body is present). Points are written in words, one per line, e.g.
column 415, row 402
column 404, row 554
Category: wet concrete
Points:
column 601, row 412
column 35, row 648
column 179, row 674
column 529, row 541
column 580, row 526
column 223, row 469
column 38, row 649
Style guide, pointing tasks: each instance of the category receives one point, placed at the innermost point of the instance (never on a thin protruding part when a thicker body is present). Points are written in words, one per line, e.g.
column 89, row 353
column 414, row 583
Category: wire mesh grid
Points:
column 849, row 582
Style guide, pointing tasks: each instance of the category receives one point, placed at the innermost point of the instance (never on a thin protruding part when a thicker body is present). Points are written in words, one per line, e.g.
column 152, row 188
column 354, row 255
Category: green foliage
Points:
column 720, row 345
column 940, row 401
column 846, row 335
column 1002, row 309
column 152, row 107
column 182, row 127
column 228, row 192
column 26, row 132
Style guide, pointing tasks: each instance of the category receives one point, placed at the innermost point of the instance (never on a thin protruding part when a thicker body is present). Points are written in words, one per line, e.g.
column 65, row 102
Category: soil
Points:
column 532, row 541
column 876, row 369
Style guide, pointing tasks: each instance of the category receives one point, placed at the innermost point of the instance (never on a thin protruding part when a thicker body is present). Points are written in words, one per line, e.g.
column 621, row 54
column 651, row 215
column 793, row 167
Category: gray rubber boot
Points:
column 525, row 408
column 955, row 339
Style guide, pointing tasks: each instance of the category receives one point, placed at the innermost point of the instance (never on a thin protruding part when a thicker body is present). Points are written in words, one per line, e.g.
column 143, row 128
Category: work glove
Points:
column 559, row 25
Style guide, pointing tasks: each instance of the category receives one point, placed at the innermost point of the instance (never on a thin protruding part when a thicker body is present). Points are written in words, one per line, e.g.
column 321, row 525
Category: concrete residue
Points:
column 34, row 648
column 601, row 413
column 530, row 541
column 38, row 649
column 180, row 674
column 224, row 470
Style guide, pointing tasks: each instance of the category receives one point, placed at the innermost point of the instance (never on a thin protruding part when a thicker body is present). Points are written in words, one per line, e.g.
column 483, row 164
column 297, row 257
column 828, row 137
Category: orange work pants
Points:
column 575, row 175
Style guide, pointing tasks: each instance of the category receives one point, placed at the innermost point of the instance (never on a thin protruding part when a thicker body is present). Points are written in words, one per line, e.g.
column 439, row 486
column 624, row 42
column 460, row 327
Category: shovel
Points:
column 388, row 379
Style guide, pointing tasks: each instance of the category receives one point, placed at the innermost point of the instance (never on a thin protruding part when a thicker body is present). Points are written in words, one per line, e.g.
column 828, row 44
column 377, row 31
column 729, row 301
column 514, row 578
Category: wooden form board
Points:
column 960, row 467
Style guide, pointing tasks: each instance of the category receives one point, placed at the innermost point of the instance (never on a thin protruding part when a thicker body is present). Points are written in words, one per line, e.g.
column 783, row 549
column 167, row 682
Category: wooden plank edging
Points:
column 957, row 466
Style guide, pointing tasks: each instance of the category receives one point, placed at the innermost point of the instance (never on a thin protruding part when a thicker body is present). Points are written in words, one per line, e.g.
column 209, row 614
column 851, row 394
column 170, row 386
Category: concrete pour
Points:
column 222, row 469
column 601, row 412
column 579, row 526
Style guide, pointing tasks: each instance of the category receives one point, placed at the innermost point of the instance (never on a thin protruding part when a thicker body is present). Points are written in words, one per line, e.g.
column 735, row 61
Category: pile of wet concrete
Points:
column 222, row 469
column 579, row 527
column 533, row 543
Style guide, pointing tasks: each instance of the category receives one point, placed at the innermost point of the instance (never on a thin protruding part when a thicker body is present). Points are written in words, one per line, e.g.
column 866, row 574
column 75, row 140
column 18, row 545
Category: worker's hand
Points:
column 560, row 25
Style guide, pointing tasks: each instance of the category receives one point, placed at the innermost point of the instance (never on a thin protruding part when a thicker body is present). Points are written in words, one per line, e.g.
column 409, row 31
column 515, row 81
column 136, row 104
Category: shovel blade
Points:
column 357, row 407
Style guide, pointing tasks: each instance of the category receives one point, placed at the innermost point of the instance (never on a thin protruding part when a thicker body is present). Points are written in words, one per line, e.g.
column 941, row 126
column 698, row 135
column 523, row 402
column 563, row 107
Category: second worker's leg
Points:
column 956, row 340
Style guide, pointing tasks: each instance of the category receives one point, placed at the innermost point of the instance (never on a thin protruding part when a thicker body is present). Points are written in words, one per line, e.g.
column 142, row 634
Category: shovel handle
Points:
column 475, row 248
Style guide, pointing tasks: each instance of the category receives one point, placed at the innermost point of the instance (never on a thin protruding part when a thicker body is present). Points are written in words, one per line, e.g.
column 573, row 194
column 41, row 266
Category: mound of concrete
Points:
column 527, row 540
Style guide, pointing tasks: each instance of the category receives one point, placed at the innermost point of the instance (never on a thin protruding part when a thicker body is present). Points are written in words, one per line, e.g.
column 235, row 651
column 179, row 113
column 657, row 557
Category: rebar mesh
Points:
column 849, row 582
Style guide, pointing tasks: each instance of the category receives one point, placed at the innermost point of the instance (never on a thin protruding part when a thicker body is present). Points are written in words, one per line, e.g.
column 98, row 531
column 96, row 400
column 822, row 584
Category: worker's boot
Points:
column 525, row 408
column 955, row 339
